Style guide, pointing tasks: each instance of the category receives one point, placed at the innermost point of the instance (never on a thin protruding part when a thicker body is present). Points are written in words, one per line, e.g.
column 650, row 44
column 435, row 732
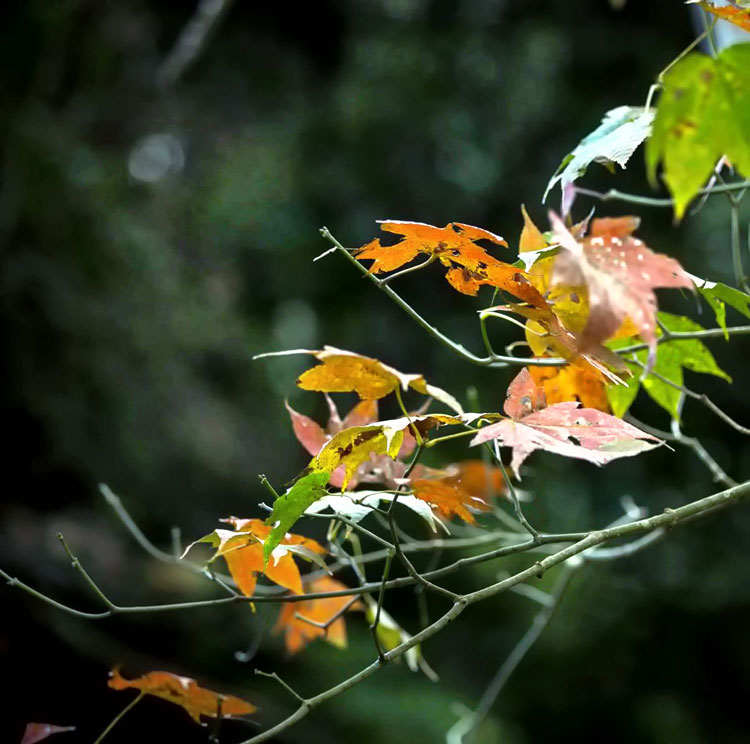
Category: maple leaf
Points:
column 298, row 632
column 356, row 506
column 313, row 438
column 613, row 141
column 467, row 485
column 575, row 382
column 36, row 732
column 564, row 428
column 347, row 372
column 243, row 551
column 350, row 448
column 456, row 247
column 733, row 13
column 671, row 358
column 718, row 296
column 547, row 336
column 620, row 272
column 703, row 115
column 185, row 692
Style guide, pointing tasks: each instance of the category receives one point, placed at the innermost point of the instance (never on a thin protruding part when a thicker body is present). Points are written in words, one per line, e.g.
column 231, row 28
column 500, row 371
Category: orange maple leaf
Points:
column 243, row 553
column 575, row 381
column 456, row 247
column 314, row 613
column 733, row 13
column 185, row 692
column 467, row 485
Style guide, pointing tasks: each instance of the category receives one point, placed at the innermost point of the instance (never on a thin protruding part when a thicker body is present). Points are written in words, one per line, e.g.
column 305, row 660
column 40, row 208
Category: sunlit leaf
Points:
column 346, row 372
column 620, row 272
column 185, row 692
column 564, row 429
column 733, row 13
column 671, row 359
column 457, row 247
column 576, row 382
column 242, row 549
column 613, row 141
column 298, row 632
column 718, row 296
column 288, row 508
column 359, row 504
column 703, row 115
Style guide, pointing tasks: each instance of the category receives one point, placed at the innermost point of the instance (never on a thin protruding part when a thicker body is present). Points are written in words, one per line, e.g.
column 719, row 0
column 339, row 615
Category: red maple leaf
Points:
column 564, row 428
column 621, row 273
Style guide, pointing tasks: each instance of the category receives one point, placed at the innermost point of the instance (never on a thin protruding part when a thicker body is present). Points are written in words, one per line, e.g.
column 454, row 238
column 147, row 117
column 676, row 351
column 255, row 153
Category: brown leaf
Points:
column 38, row 731
column 184, row 691
column 456, row 247
column 564, row 428
column 298, row 633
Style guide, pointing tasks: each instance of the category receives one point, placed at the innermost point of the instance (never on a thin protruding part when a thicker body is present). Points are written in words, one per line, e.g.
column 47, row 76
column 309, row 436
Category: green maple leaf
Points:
column 703, row 113
column 672, row 359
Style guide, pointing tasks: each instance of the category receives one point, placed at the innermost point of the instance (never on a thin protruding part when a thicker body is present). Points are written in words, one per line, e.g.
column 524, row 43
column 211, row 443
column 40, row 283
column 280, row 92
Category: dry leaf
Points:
column 184, row 691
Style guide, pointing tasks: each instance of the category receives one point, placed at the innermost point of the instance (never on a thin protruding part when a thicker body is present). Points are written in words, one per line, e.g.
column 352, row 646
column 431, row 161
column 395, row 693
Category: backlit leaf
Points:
column 671, row 358
column 185, row 692
column 564, row 429
column 620, row 272
column 718, row 296
column 298, row 632
column 456, row 246
column 467, row 486
column 613, row 141
column 703, row 114
column 733, row 13
column 576, row 381
column 290, row 506
column 356, row 505
column 346, row 372
column 242, row 549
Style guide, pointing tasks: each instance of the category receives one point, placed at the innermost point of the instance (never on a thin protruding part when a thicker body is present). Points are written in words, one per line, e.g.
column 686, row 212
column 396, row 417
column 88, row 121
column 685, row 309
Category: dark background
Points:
column 139, row 276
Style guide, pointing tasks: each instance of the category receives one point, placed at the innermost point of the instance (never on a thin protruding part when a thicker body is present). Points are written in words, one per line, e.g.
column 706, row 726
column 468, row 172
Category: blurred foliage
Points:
column 155, row 239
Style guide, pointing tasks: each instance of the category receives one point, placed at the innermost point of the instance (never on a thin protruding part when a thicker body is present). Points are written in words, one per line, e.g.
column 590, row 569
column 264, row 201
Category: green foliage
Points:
column 703, row 114
column 719, row 295
column 290, row 506
column 671, row 359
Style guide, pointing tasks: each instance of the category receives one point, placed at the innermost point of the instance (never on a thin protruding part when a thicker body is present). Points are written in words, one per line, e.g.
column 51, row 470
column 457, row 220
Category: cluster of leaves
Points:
column 586, row 294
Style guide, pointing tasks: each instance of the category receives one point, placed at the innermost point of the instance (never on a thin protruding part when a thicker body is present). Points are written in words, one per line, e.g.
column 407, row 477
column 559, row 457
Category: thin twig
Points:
column 287, row 687
column 649, row 201
column 669, row 518
column 539, row 623
column 702, row 397
column 76, row 564
column 693, row 443
column 119, row 716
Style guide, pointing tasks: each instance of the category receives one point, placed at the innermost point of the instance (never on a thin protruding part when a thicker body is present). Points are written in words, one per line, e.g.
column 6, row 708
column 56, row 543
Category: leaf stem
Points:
column 119, row 716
